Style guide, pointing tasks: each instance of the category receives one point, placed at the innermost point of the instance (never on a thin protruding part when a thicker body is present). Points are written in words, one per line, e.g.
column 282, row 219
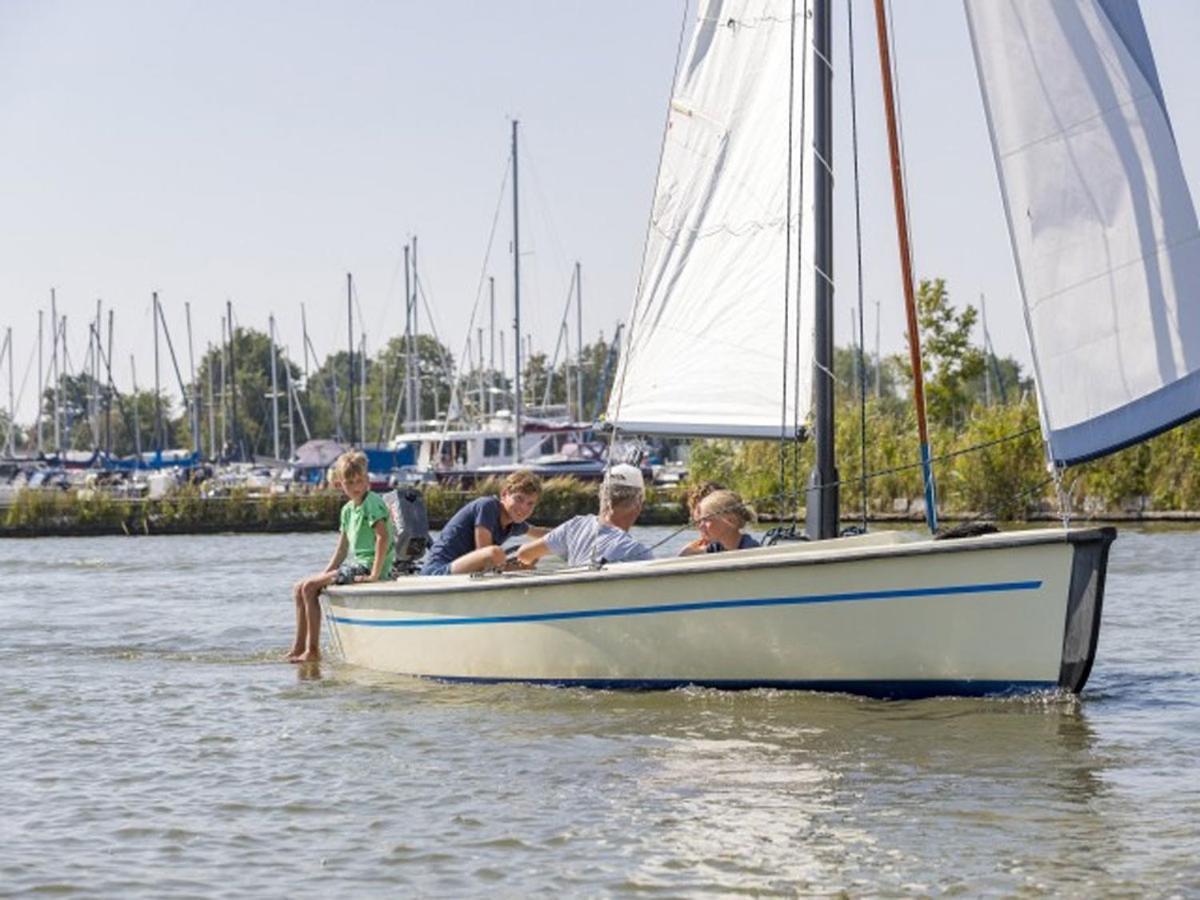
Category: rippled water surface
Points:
column 153, row 746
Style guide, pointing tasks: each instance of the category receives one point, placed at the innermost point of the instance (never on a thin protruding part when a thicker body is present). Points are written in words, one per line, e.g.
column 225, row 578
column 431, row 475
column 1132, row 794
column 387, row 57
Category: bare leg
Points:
column 312, row 605
column 311, row 592
column 301, row 622
column 478, row 560
column 307, row 645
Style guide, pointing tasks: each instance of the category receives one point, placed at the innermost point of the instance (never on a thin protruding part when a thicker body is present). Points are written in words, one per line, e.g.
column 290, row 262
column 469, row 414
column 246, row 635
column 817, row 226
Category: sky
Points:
column 257, row 152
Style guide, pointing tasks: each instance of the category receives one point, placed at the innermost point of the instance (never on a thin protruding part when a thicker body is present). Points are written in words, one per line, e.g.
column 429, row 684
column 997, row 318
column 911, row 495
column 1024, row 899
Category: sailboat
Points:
column 737, row 262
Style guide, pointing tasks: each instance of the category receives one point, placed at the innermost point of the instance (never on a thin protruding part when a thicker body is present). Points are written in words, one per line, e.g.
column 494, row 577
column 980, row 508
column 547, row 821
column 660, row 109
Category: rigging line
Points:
column 806, row 43
column 623, row 363
column 678, row 531
column 947, row 456
column 487, row 254
column 991, row 510
column 862, row 380
column 787, row 253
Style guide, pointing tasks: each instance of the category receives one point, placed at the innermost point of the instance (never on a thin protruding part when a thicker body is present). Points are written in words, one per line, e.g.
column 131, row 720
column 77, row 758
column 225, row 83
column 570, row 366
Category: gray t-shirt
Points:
column 573, row 539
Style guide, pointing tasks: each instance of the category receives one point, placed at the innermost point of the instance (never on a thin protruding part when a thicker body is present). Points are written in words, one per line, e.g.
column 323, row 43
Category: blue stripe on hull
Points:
column 881, row 690
column 855, row 596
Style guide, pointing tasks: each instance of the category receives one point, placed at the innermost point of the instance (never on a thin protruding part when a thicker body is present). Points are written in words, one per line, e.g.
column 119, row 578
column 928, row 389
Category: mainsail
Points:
column 705, row 353
column 1101, row 220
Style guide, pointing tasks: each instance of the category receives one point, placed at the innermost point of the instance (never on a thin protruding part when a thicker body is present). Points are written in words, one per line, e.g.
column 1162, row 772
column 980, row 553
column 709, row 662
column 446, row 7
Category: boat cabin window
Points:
column 491, row 447
column 508, row 447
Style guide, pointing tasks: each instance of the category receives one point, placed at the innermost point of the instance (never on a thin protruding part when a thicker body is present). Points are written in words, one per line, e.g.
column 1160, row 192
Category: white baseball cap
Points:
column 625, row 475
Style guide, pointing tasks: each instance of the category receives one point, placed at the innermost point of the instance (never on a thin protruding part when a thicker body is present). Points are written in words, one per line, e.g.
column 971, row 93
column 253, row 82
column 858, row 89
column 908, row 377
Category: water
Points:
column 153, row 746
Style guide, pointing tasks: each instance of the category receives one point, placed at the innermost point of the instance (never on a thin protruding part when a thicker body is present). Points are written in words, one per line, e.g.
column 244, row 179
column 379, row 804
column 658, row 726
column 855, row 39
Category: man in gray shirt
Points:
column 605, row 538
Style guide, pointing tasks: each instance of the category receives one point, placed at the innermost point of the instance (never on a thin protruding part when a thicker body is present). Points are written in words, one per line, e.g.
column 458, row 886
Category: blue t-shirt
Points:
column 746, row 543
column 458, row 537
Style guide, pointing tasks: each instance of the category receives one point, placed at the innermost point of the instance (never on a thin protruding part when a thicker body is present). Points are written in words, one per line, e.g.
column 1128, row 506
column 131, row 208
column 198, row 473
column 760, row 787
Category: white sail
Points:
column 705, row 351
column 1101, row 220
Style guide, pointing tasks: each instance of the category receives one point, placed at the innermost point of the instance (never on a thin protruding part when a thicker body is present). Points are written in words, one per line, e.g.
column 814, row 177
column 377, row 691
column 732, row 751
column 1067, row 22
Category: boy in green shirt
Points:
column 364, row 552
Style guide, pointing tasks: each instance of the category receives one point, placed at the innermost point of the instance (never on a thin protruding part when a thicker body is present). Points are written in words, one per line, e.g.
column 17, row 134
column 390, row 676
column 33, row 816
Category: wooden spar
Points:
column 910, row 306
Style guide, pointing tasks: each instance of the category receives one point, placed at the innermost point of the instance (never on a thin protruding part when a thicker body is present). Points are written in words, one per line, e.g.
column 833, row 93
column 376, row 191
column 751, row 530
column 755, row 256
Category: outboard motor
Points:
column 411, row 524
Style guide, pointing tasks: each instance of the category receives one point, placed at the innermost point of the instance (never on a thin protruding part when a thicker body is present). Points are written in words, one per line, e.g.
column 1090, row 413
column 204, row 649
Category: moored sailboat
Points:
column 738, row 261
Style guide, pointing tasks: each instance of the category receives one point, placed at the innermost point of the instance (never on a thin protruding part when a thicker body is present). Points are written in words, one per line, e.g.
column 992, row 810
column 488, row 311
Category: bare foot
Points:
column 308, row 656
column 294, row 654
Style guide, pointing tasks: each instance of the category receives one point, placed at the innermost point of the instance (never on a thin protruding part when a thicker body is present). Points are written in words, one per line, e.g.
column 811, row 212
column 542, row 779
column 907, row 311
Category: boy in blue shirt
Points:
column 472, row 540
column 364, row 552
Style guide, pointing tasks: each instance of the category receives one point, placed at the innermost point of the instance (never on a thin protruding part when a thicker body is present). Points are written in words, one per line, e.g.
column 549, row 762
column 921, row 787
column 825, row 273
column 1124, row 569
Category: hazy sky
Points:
column 258, row 151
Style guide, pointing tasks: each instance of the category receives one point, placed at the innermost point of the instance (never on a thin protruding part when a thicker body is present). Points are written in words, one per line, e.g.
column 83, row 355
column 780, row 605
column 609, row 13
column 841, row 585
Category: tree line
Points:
column 984, row 432
column 228, row 411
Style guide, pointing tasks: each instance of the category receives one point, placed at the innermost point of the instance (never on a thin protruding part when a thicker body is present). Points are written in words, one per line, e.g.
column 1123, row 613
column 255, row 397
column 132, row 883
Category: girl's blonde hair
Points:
column 727, row 503
column 348, row 465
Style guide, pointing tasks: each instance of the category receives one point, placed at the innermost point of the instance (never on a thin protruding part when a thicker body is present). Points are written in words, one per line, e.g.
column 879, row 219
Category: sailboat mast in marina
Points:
column 734, row 294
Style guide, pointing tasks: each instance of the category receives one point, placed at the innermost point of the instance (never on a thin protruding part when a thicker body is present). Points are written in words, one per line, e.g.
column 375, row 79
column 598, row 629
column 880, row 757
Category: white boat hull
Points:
column 883, row 615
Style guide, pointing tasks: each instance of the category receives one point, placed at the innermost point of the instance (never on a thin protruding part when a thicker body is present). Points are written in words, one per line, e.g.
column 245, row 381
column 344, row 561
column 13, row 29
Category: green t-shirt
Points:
column 358, row 525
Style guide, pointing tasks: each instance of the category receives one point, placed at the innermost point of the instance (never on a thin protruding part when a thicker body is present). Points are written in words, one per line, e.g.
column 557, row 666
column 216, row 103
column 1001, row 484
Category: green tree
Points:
column 1008, row 384
column 882, row 379
column 386, row 385
column 949, row 360
column 241, row 397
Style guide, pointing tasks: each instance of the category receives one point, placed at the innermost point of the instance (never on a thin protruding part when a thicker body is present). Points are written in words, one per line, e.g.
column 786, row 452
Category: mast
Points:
column 491, row 402
column 212, row 405
column 57, row 385
column 821, row 503
column 410, row 382
column 197, row 446
column 274, row 388
column 291, row 419
column 12, row 404
column 578, row 342
column 94, row 387
column 479, row 346
column 41, row 386
column 158, row 427
column 416, row 333
column 516, row 301
column 108, row 394
column 910, row 306
column 503, row 357
column 233, row 423
column 350, row 348
column 224, row 392
column 137, row 419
